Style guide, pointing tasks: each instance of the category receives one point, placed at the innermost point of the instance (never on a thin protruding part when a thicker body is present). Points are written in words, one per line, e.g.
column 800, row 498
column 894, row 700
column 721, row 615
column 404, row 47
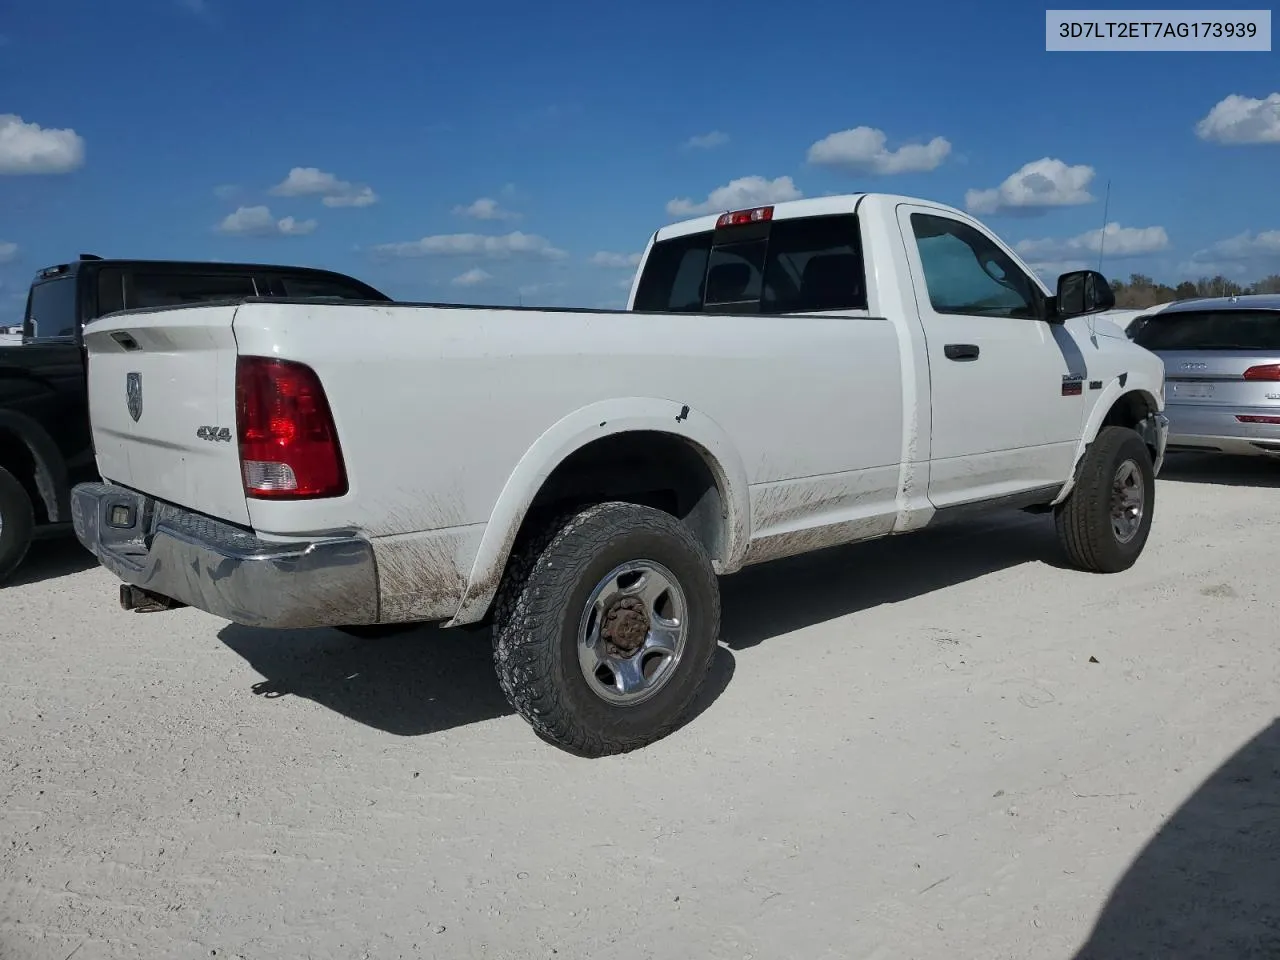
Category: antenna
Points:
column 1102, row 234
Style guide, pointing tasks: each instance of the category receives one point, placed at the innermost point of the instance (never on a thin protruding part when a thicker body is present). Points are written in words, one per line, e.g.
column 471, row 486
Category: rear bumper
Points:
column 1203, row 427
column 223, row 569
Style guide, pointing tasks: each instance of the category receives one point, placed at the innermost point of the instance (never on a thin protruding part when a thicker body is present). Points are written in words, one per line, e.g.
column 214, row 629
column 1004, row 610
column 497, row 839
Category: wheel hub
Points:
column 1127, row 501
column 632, row 633
column 625, row 626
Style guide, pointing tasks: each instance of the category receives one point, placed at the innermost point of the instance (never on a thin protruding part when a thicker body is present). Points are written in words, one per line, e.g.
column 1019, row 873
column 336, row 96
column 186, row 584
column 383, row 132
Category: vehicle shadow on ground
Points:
column 430, row 679
column 421, row 682
column 775, row 598
column 50, row 559
column 1220, row 469
column 1208, row 884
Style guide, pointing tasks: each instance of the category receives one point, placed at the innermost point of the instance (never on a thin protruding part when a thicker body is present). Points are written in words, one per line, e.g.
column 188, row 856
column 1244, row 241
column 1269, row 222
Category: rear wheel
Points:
column 17, row 522
column 1104, row 523
column 605, row 628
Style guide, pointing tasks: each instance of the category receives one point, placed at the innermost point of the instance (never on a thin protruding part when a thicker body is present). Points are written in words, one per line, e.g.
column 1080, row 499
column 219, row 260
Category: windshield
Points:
column 1211, row 330
column 51, row 309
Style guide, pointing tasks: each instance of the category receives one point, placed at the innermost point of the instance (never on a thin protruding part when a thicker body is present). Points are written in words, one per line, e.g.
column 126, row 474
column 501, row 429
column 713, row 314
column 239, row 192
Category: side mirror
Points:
column 1081, row 292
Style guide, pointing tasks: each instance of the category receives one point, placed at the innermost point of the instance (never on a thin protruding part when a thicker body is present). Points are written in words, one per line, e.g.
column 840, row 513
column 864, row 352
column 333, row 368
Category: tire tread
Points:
column 540, row 575
column 1082, row 521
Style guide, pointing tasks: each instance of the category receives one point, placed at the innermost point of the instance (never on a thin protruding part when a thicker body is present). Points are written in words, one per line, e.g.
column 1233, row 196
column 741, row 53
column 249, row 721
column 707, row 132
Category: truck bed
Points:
column 434, row 425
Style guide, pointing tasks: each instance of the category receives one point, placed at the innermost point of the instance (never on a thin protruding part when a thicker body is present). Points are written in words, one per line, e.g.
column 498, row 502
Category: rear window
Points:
column 174, row 289
column 801, row 265
column 51, row 309
column 1211, row 330
column 313, row 286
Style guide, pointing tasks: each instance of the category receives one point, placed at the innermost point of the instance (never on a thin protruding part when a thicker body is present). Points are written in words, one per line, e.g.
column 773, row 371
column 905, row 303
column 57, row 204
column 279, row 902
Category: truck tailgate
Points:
column 162, row 401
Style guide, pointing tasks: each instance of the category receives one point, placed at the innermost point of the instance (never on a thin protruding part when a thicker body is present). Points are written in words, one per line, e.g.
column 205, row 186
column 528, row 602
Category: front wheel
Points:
column 1104, row 523
column 605, row 628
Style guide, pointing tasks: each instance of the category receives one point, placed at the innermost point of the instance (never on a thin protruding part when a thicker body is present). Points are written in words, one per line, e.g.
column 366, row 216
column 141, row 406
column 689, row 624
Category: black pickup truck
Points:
column 46, row 446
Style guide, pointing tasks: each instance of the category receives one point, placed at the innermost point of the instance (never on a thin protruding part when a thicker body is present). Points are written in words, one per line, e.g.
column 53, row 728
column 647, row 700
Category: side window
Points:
column 51, row 309
column 303, row 286
column 171, row 289
column 966, row 273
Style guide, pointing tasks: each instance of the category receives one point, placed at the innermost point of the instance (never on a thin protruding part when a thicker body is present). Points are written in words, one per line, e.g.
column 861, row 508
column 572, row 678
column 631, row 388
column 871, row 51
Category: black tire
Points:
column 17, row 522
column 540, row 608
column 1084, row 519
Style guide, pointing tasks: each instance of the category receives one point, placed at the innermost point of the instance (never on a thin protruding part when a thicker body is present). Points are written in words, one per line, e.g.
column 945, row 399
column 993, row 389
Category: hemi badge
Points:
column 1095, row 384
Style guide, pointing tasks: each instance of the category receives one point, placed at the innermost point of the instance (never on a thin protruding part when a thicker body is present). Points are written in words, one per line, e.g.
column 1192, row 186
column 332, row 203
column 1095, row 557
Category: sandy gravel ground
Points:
column 909, row 752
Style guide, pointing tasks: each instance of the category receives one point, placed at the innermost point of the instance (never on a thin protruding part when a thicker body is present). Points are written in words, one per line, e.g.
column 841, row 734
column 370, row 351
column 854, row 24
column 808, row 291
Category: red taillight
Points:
column 1250, row 418
column 736, row 218
column 1267, row 371
column 288, row 444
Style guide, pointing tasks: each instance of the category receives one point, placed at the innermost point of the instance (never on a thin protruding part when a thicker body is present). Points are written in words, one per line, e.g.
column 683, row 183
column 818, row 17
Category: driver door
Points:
column 1005, row 415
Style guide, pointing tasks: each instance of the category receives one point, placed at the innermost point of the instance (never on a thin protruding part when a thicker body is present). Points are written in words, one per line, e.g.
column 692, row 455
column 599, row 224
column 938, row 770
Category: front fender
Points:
column 1112, row 391
column 575, row 431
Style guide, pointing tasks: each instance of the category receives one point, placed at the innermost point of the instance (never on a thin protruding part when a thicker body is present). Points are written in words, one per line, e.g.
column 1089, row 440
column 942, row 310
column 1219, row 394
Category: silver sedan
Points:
column 1222, row 372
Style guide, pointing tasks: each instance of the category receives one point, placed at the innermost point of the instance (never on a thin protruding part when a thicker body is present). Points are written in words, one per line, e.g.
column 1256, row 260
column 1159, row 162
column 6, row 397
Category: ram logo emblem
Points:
column 216, row 434
column 133, row 394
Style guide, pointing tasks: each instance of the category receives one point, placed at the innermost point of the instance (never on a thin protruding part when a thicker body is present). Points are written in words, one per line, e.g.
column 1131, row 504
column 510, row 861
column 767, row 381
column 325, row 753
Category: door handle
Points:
column 961, row 351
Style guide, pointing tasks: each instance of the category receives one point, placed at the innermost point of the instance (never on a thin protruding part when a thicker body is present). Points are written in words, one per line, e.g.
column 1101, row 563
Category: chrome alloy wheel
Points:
column 1128, row 501
column 632, row 632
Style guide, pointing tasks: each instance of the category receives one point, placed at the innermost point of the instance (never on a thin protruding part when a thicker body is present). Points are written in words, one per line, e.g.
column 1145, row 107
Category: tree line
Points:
column 1141, row 291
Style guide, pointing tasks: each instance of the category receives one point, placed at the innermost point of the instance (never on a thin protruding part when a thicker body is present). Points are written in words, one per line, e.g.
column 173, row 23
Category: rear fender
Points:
column 51, row 478
column 572, row 433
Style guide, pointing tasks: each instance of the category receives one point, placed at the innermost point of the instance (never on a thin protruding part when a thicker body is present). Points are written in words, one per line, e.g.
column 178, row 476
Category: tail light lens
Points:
column 288, row 443
column 1269, row 372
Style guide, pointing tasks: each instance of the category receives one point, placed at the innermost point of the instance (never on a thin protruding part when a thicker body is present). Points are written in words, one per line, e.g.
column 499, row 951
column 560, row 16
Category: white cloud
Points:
column 626, row 282
column 1247, row 254
column 512, row 245
column 705, row 141
column 1244, row 246
column 1112, row 240
column 313, row 182
column 604, row 258
column 359, row 196
column 863, row 149
column 1239, row 120
column 485, row 208
column 8, row 252
column 258, row 222
column 736, row 194
column 226, row 191
column 27, row 148
column 471, row 278
column 1038, row 185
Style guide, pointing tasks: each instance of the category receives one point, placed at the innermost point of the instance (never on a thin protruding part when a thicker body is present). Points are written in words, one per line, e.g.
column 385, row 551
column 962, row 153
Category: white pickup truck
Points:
column 785, row 378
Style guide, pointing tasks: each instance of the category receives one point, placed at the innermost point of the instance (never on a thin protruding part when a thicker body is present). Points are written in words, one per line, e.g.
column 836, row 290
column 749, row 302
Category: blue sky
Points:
column 370, row 131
